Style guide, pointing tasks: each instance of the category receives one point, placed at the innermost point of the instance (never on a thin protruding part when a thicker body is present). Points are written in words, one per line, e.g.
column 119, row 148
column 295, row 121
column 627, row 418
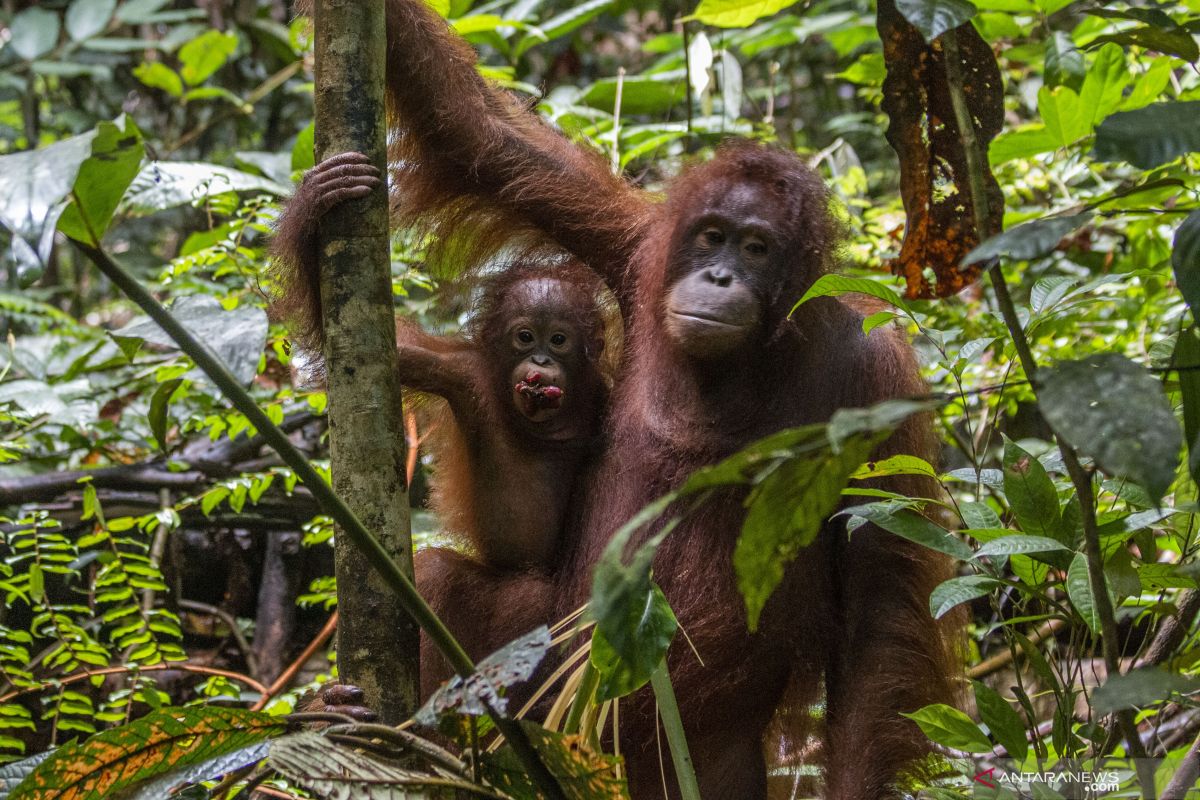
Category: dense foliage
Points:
column 143, row 513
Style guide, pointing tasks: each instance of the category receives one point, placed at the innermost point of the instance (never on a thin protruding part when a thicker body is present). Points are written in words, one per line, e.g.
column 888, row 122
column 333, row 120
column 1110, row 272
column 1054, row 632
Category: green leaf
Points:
column 115, row 156
column 1139, row 688
column 1002, row 720
column 1104, row 85
column 950, row 727
column 135, row 12
column 86, row 18
column 1175, row 40
column 1114, row 411
column 158, row 75
column 910, row 525
column 737, row 13
column 1021, row 143
column 1027, row 241
column 562, row 24
column 1063, row 114
column 158, row 410
column 34, row 188
column 1150, row 136
column 640, row 94
column 934, row 17
column 1018, row 543
column 1185, row 261
column 303, row 154
column 838, row 285
column 1064, row 63
column 785, row 514
column 1186, row 359
column 160, row 742
column 620, row 676
column 1079, row 589
column 205, row 54
column 875, row 320
column 33, row 32
column 1031, row 494
column 957, row 591
column 165, row 184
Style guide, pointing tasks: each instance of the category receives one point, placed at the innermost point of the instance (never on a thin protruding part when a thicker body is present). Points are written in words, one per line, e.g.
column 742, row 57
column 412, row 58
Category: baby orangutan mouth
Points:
column 538, row 396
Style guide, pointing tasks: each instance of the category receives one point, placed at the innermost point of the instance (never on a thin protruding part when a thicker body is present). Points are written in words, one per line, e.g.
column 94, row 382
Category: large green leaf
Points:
column 1018, row 544
column 910, row 525
column 950, row 727
column 86, row 18
column 1028, row 240
column 33, row 32
column 205, row 54
column 1139, row 688
column 1186, row 359
column 957, row 591
column 1065, row 118
column 785, row 513
column 1185, row 260
column 166, row 184
column 1150, row 136
column 838, row 285
column 1031, row 495
column 1079, row 589
column 737, row 13
column 160, row 742
column 562, row 24
column 1002, row 720
column 103, row 178
column 640, row 94
column 623, row 674
column 1114, row 411
column 34, row 189
column 934, row 17
column 1104, row 85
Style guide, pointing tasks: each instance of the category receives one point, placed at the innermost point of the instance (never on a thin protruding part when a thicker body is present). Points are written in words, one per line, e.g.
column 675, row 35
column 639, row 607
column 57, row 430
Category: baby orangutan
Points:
column 524, row 388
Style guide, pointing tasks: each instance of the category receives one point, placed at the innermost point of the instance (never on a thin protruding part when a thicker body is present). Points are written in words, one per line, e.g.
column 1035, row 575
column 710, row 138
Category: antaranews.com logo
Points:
column 998, row 779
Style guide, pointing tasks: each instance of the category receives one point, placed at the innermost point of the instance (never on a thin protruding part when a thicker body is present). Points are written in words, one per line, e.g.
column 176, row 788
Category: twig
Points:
column 285, row 678
column 88, row 674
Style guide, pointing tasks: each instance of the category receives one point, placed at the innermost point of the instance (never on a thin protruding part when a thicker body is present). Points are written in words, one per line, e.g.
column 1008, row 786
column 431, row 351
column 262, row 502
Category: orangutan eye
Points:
column 558, row 339
column 525, row 336
column 713, row 236
column 756, row 248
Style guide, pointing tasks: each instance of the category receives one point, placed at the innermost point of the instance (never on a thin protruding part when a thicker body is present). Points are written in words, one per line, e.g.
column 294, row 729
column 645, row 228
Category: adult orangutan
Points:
column 711, row 362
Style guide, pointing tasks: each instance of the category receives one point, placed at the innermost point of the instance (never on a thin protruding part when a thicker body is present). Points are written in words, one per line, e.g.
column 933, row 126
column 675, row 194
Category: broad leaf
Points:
column 1079, row 589
column 1185, row 260
column 1002, row 720
column 622, row 675
column 934, row 17
column 957, row 591
column 1027, row 241
column 86, row 18
column 205, row 54
column 950, row 727
column 737, row 13
column 582, row 772
column 1114, row 411
column 33, row 32
column 838, row 285
column 1139, row 688
column 1186, row 359
column 103, row 178
column 1031, row 495
column 1150, row 136
column 162, row 741
column 166, row 184
column 562, row 24
column 910, row 525
column 1017, row 543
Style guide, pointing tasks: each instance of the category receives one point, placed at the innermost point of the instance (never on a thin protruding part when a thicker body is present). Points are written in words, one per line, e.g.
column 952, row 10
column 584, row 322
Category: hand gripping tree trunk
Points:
column 377, row 642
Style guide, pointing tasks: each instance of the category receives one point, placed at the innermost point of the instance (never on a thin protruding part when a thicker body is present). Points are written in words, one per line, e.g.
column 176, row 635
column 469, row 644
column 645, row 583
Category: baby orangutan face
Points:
column 548, row 349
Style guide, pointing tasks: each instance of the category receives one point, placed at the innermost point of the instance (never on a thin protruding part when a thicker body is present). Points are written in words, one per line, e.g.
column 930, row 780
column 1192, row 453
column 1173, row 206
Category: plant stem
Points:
column 330, row 503
column 583, row 697
column 668, row 709
column 1080, row 477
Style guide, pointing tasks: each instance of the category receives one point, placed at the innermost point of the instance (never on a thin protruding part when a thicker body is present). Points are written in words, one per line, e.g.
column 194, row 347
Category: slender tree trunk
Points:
column 377, row 642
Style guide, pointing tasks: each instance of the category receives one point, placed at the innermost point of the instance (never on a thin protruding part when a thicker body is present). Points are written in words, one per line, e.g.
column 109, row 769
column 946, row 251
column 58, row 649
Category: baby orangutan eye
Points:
column 525, row 336
column 558, row 339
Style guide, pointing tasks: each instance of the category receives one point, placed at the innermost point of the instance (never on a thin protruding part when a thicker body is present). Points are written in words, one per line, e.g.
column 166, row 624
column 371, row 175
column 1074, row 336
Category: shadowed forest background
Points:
column 156, row 554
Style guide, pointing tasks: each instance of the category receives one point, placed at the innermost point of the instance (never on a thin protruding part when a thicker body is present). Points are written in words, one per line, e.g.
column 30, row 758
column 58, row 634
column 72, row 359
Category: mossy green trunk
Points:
column 377, row 642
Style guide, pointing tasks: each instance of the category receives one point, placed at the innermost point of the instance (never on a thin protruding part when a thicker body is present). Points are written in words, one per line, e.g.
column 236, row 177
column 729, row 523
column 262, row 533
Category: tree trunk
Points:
column 377, row 642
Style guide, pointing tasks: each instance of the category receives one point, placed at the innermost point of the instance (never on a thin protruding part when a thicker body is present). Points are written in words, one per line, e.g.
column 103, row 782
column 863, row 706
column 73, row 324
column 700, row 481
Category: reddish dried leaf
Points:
column 157, row 743
column 924, row 132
